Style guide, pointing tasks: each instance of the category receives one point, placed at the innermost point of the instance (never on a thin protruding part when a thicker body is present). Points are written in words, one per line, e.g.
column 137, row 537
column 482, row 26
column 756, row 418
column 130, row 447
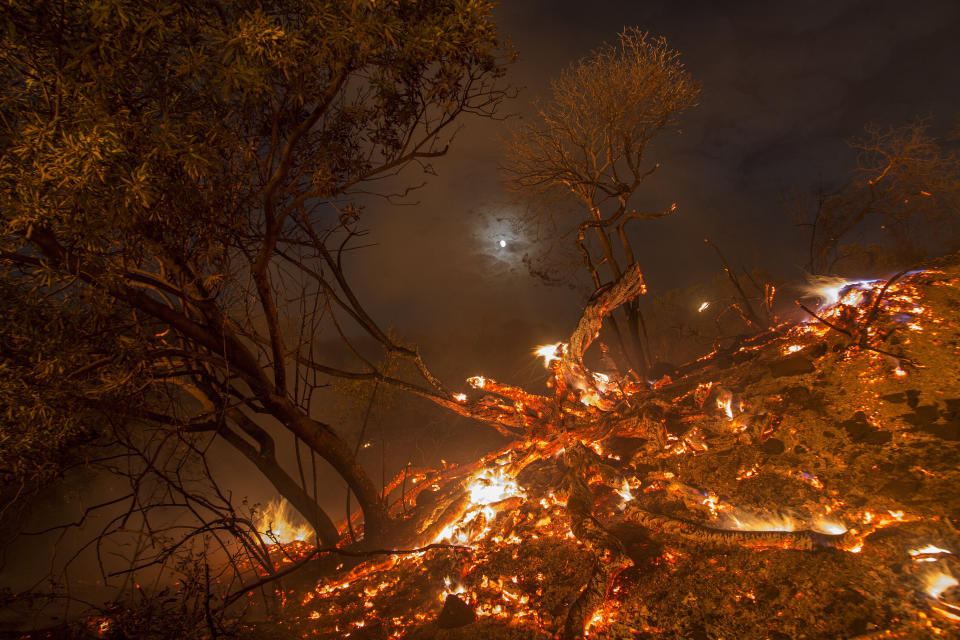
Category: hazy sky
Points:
column 784, row 84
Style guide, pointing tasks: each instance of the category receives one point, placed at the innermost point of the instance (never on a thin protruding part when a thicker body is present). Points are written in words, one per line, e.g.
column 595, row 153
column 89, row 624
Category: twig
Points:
column 859, row 343
column 826, row 322
column 872, row 314
column 233, row 597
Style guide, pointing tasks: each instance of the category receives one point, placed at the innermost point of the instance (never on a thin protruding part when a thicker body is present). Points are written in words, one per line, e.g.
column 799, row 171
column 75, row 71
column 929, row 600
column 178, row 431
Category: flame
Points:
column 830, row 289
column 703, row 306
column 929, row 549
column 460, row 397
column 744, row 521
column 276, row 524
column 486, row 487
column 477, row 382
column 833, row 527
column 550, row 352
column 725, row 402
column 936, row 582
column 492, row 485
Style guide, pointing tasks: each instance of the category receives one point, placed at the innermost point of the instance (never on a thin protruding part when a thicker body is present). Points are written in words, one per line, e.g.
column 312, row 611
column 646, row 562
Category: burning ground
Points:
column 801, row 484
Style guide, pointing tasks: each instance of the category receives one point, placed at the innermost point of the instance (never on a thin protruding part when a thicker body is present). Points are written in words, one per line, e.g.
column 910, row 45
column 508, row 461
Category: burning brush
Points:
column 787, row 489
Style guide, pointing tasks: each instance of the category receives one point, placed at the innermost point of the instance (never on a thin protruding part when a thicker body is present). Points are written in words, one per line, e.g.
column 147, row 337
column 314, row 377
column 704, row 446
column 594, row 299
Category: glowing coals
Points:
column 492, row 485
column 487, row 487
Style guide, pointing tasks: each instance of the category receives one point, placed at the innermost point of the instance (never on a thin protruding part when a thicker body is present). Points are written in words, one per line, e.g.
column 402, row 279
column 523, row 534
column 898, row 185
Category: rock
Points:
column 913, row 398
column 945, row 431
column 797, row 396
column 923, row 415
column 455, row 613
column 878, row 436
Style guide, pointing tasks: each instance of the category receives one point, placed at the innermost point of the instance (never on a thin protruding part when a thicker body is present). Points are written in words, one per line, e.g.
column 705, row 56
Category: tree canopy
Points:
column 181, row 178
column 588, row 143
column 900, row 205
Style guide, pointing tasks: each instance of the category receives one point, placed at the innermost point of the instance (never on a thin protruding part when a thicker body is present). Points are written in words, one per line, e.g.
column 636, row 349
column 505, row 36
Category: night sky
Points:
column 783, row 87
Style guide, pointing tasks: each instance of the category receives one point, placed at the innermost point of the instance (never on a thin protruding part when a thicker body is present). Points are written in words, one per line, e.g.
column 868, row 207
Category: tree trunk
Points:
column 296, row 495
column 332, row 448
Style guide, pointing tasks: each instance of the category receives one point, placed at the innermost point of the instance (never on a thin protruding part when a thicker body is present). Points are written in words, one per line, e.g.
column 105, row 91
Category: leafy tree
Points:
column 901, row 204
column 178, row 184
column 588, row 144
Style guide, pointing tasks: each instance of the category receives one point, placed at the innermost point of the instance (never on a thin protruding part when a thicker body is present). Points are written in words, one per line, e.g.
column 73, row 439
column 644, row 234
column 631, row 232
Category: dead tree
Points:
column 588, row 143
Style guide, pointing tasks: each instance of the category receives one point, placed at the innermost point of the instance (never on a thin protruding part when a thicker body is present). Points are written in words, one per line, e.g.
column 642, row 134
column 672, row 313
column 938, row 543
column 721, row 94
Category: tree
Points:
column 188, row 176
column 904, row 196
column 588, row 144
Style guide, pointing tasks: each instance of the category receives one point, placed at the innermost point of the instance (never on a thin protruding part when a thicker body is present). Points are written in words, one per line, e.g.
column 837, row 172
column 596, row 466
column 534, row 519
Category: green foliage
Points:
column 159, row 159
column 132, row 122
column 60, row 364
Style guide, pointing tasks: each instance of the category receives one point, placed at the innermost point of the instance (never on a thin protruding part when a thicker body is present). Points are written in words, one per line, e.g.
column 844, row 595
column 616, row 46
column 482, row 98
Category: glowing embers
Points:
column 477, row 382
column 485, row 490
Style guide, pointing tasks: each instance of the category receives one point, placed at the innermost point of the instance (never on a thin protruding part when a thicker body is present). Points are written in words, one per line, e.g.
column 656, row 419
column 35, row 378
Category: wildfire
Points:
column 830, row 290
column 487, row 487
column 725, row 402
column 550, row 352
column 606, row 456
column 937, row 582
column 278, row 525
column 929, row 550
